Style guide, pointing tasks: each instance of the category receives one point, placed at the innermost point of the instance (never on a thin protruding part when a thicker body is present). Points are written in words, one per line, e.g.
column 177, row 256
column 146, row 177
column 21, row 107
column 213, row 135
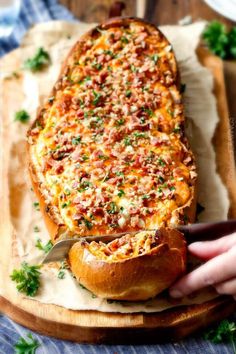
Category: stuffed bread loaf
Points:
column 108, row 154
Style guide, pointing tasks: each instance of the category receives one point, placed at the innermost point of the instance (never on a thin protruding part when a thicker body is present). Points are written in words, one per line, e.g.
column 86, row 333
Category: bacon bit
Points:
column 180, row 172
column 77, row 217
column 114, row 180
column 117, row 35
column 187, row 160
column 80, row 113
column 98, row 211
column 98, row 173
column 35, row 131
column 99, row 164
column 59, row 168
column 76, row 154
column 115, row 135
column 141, row 37
column 133, row 210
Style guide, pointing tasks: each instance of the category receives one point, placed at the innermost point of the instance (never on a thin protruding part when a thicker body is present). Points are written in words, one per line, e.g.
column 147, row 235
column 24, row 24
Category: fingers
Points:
column 213, row 272
column 210, row 249
column 228, row 287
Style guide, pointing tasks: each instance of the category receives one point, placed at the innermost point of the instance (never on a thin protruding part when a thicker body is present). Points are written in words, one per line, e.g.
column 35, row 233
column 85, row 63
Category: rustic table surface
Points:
column 162, row 12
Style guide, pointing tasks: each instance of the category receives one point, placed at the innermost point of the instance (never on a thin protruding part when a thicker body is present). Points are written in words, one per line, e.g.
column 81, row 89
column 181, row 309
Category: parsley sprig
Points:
column 224, row 332
column 221, row 41
column 22, row 116
column 28, row 346
column 27, row 278
column 45, row 248
column 40, row 60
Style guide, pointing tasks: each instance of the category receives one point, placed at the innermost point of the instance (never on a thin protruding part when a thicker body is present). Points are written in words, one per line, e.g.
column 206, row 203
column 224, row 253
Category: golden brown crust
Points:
column 137, row 278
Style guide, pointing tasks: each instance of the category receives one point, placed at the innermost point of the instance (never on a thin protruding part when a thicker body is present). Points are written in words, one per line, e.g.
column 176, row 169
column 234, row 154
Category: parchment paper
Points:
column 200, row 106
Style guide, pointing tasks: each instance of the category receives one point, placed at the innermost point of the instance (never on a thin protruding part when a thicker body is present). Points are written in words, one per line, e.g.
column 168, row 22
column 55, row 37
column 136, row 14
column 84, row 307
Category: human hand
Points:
column 219, row 270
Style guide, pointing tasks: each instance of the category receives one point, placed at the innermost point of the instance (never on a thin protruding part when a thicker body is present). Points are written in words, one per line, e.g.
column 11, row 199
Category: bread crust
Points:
column 133, row 279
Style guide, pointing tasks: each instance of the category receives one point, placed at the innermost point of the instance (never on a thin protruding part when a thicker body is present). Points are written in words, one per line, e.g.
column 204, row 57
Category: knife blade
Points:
column 192, row 233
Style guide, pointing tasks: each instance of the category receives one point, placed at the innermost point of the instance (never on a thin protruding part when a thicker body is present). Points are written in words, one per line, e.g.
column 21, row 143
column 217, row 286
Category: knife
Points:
column 192, row 233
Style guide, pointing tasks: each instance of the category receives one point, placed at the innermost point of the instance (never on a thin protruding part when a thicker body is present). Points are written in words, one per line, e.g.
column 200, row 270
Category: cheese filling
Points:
column 128, row 246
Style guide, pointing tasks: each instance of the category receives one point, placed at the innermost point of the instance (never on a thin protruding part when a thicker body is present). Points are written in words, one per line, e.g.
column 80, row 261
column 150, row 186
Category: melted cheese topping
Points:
column 109, row 149
column 128, row 246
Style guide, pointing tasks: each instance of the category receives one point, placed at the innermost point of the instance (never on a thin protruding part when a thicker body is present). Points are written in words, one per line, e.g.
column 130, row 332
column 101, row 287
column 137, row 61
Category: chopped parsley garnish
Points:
column 120, row 121
column 176, row 130
column 84, row 186
column 124, row 40
column 67, row 191
column 146, row 196
column 171, row 113
column 87, row 78
column 36, row 206
column 40, row 60
column 127, row 141
column 112, row 208
column 66, row 204
column 128, row 93
column 61, row 274
column 26, row 346
column 140, row 135
column 36, row 229
column 45, row 248
column 76, row 140
column 133, row 68
column 160, row 179
column 155, row 58
column 161, row 162
column 159, row 189
column 109, row 52
column 103, row 157
column 120, row 173
column 142, row 120
column 97, row 97
column 88, row 224
column 22, row 116
column 27, row 279
column 120, row 193
column 148, row 111
column 85, row 157
column 172, row 188
column 97, row 66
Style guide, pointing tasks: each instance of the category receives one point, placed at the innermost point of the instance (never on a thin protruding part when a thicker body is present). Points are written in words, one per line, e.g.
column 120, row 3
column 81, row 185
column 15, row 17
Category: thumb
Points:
column 210, row 249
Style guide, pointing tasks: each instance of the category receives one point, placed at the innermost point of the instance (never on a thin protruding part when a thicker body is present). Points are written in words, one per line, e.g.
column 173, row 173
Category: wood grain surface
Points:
column 163, row 12
column 99, row 327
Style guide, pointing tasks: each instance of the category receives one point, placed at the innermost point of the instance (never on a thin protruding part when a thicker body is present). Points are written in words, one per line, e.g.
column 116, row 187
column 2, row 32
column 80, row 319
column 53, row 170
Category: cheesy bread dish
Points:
column 108, row 151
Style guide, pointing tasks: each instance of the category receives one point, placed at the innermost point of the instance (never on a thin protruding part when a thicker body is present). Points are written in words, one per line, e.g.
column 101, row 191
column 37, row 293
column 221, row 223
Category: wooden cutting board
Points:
column 99, row 327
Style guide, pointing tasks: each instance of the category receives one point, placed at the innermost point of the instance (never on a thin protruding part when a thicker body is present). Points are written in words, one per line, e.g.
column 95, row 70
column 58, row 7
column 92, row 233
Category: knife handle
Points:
column 210, row 231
